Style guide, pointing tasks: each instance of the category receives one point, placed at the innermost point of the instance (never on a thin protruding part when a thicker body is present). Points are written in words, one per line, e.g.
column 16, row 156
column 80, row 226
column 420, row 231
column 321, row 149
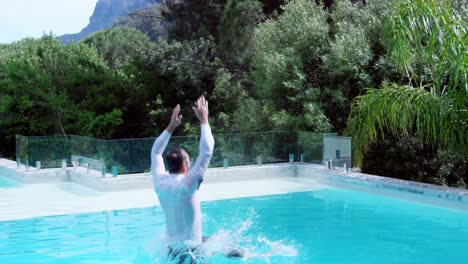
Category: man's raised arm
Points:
column 157, row 163
column 195, row 175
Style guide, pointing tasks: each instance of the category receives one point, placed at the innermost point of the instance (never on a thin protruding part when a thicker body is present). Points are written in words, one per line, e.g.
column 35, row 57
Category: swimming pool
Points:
column 5, row 182
column 324, row 226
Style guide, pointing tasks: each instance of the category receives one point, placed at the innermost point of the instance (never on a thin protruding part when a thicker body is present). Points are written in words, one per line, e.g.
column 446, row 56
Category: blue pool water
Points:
column 5, row 182
column 325, row 226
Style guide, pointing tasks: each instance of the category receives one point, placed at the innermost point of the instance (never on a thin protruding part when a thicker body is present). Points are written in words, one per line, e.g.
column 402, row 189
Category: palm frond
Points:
column 393, row 109
column 434, row 33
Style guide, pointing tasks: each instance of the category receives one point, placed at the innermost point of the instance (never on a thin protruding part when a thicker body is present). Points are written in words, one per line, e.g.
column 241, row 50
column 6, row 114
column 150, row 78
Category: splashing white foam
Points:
column 239, row 237
column 280, row 249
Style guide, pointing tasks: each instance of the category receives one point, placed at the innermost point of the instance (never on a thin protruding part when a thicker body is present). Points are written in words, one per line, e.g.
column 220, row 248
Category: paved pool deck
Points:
column 36, row 200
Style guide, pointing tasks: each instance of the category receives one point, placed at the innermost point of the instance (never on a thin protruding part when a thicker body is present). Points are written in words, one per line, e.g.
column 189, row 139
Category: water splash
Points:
column 242, row 237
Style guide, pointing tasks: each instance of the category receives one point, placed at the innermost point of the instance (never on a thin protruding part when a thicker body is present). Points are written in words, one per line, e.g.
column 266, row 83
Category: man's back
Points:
column 178, row 192
column 181, row 206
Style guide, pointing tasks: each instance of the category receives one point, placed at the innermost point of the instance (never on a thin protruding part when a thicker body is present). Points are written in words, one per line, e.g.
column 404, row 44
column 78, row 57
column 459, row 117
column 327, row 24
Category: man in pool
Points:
column 178, row 190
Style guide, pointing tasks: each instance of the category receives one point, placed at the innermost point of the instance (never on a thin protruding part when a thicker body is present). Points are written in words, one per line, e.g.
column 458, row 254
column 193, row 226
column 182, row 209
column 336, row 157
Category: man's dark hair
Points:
column 175, row 159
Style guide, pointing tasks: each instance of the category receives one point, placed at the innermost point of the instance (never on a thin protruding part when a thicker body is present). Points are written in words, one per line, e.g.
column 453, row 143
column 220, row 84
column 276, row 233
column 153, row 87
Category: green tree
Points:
column 191, row 20
column 209, row 51
column 311, row 62
column 45, row 88
column 235, row 32
column 146, row 85
column 428, row 40
column 120, row 46
column 284, row 46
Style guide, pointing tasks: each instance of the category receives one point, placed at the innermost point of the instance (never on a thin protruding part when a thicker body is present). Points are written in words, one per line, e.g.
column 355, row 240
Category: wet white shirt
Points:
column 177, row 193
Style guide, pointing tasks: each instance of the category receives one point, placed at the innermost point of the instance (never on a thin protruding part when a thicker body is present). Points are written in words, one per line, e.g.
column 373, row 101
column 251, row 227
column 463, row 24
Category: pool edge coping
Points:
column 315, row 170
column 446, row 193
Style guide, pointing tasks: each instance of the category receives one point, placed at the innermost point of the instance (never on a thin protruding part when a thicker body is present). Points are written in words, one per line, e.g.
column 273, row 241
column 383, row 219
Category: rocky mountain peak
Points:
column 105, row 14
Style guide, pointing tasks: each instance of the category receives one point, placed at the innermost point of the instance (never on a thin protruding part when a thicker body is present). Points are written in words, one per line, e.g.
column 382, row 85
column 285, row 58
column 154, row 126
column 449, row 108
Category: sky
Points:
column 32, row 18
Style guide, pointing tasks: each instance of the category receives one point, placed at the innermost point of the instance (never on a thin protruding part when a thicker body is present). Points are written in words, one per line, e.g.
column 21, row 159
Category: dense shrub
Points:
column 407, row 158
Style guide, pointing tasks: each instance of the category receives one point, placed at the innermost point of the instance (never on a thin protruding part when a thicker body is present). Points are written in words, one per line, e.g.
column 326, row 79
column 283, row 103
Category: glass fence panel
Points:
column 125, row 156
column 129, row 155
column 133, row 155
column 22, row 150
column 337, row 150
column 49, row 151
column 254, row 148
column 89, row 152
column 309, row 146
